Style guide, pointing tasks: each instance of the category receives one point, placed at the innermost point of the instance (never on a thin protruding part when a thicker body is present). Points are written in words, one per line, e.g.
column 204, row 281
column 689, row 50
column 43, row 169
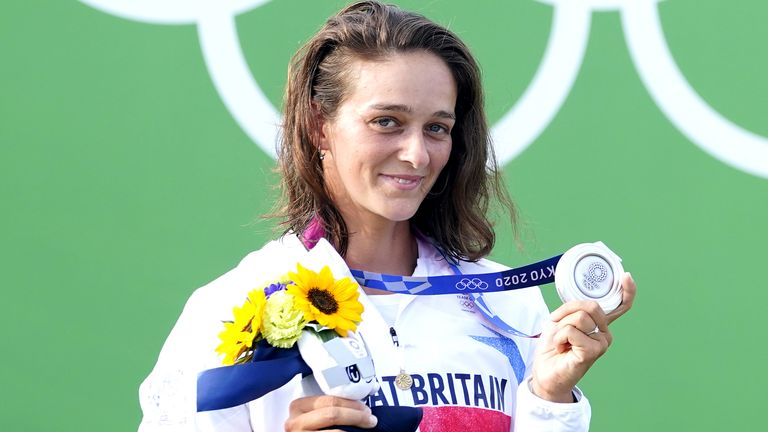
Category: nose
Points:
column 414, row 149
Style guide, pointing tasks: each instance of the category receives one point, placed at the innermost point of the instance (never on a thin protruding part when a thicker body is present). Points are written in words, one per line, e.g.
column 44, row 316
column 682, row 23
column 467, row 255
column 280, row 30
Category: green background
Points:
column 125, row 184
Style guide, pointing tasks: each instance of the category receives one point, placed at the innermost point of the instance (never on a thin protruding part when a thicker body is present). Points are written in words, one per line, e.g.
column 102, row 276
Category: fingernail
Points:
column 372, row 421
column 630, row 276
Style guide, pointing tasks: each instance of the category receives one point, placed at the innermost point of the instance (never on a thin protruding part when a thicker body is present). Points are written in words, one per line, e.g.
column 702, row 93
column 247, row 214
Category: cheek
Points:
column 364, row 158
column 352, row 169
column 441, row 156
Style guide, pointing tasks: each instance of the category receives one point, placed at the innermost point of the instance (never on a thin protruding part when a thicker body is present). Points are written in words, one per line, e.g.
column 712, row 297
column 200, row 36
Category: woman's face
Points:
column 390, row 137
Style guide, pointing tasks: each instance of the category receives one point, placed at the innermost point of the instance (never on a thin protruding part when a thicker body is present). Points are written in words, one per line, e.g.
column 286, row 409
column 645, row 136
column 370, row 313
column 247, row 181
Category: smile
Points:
column 405, row 182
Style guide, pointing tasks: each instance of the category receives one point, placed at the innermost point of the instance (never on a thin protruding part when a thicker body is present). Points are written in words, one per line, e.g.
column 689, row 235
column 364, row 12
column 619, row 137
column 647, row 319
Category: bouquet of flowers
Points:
column 311, row 310
column 280, row 311
column 305, row 322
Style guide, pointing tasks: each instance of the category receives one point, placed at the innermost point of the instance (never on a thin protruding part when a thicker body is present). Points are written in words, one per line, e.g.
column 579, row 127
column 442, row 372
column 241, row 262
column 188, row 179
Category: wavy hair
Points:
column 455, row 212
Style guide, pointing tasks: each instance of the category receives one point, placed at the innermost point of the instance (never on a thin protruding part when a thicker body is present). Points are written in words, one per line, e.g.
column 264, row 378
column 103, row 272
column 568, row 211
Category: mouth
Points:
column 404, row 181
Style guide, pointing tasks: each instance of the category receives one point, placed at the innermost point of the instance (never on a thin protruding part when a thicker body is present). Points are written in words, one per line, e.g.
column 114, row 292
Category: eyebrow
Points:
column 407, row 109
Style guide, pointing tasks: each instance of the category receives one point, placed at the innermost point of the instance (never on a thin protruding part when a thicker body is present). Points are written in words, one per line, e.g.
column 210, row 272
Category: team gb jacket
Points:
column 466, row 376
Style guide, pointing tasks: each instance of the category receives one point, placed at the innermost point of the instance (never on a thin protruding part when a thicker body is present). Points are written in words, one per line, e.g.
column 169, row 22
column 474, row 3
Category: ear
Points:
column 322, row 127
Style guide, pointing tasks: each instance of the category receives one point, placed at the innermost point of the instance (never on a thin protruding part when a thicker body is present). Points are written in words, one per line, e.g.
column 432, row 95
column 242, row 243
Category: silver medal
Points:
column 590, row 271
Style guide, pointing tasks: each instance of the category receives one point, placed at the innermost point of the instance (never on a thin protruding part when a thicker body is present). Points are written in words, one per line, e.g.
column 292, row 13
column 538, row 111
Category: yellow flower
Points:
column 232, row 343
column 332, row 303
column 238, row 335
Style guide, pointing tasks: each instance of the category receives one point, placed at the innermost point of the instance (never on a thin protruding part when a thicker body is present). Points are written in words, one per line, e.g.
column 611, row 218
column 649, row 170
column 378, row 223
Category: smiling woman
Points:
column 387, row 168
column 369, row 55
column 388, row 143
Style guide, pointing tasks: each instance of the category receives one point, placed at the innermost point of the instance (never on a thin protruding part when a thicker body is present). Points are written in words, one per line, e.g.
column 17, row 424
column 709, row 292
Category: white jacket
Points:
column 466, row 377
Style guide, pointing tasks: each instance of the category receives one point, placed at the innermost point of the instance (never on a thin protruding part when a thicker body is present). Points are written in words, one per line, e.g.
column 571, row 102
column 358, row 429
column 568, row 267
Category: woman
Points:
column 385, row 153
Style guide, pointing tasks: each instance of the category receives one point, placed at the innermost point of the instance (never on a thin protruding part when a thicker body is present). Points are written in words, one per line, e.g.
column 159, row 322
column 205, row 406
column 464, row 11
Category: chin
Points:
column 399, row 214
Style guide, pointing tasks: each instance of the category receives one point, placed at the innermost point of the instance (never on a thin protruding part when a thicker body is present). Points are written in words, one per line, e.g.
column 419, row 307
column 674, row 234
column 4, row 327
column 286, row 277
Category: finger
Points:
column 586, row 348
column 601, row 335
column 629, row 291
column 336, row 416
column 579, row 319
column 547, row 333
column 306, row 404
column 590, row 307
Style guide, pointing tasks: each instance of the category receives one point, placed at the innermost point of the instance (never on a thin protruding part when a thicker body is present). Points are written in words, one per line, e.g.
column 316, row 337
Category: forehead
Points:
column 415, row 77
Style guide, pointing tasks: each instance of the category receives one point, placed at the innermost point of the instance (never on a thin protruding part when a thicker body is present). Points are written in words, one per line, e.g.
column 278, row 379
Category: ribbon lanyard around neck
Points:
column 474, row 285
column 542, row 272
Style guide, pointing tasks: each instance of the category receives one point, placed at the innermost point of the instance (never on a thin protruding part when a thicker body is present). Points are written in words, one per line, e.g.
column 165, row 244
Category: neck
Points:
column 390, row 248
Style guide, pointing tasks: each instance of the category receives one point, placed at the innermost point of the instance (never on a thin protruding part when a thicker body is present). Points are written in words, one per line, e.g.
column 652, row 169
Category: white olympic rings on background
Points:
column 526, row 120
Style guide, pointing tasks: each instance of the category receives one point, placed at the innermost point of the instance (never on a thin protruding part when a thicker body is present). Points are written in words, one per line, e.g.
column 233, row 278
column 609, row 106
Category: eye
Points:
column 436, row 128
column 385, row 122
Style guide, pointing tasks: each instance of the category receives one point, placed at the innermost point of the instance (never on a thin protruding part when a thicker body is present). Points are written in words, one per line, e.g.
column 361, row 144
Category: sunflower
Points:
column 332, row 303
column 238, row 335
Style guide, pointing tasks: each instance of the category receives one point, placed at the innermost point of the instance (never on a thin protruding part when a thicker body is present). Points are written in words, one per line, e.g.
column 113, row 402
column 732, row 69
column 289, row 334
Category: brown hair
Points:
column 454, row 213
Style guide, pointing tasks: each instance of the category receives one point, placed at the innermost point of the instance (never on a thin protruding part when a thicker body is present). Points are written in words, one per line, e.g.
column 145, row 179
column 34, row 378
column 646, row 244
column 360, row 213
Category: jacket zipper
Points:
column 395, row 340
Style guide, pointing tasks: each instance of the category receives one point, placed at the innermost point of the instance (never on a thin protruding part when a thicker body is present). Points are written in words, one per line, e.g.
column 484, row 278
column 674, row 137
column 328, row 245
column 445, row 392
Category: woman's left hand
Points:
column 576, row 338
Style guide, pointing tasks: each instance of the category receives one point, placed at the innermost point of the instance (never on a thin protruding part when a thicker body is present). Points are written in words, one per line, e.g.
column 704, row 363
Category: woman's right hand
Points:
column 318, row 412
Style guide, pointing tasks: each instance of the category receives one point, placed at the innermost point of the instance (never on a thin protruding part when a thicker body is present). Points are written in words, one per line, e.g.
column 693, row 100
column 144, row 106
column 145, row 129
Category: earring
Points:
column 322, row 154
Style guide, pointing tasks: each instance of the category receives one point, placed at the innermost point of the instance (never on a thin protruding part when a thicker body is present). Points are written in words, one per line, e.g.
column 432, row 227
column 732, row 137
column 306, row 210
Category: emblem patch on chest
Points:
column 466, row 303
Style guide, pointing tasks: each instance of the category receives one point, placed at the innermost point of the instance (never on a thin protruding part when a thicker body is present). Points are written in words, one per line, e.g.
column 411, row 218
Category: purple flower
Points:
column 274, row 288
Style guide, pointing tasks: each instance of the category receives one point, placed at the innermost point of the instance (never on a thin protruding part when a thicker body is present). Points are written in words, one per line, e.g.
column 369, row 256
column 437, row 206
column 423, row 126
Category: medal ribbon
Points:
column 475, row 285
column 542, row 272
